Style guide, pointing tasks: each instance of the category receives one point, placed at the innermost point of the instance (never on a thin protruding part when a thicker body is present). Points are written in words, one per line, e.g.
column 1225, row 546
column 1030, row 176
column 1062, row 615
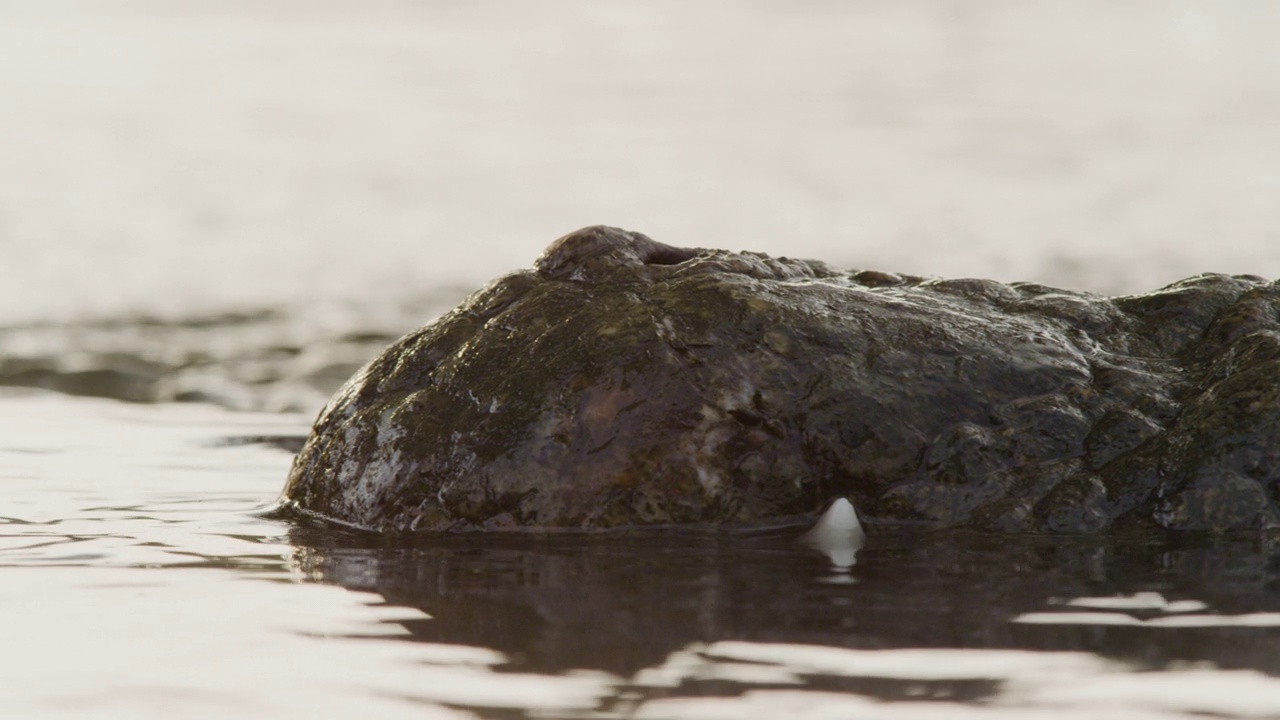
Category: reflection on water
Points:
column 626, row 603
column 139, row 578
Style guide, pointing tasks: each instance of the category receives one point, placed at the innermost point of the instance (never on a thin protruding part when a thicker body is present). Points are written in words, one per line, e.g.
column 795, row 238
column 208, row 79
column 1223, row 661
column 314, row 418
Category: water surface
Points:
column 139, row 579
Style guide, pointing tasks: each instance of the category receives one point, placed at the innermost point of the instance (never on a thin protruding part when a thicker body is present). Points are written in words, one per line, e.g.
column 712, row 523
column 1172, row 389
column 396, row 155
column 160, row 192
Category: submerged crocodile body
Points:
column 626, row 382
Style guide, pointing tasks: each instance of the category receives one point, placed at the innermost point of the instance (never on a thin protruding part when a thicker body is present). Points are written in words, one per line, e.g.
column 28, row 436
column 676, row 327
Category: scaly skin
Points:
column 626, row 382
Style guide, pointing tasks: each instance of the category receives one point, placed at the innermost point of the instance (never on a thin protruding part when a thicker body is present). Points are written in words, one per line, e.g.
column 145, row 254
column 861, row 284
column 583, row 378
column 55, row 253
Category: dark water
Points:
column 628, row 605
column 622, row 604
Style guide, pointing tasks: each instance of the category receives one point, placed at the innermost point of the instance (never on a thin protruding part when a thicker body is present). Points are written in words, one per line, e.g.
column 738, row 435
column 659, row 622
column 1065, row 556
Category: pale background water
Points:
column 239, row 202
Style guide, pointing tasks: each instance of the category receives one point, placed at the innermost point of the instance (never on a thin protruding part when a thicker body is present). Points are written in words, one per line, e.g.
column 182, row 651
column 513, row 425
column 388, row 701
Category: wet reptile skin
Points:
column 626, row 382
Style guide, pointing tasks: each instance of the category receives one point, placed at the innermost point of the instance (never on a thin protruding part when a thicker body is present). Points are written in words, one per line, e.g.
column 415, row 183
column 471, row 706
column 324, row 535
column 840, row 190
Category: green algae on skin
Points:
column 626, row 382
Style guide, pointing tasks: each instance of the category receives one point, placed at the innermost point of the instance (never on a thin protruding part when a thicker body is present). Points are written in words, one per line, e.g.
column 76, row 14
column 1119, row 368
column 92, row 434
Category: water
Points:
column 138, row 579
column 211, row 214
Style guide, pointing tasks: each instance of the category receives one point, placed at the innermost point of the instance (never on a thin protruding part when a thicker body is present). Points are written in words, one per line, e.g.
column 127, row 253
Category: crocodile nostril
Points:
column 660, row 254
column 593, row 251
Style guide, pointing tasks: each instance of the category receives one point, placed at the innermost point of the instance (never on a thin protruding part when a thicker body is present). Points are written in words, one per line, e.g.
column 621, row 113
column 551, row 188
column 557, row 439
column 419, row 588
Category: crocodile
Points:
column 623, row 382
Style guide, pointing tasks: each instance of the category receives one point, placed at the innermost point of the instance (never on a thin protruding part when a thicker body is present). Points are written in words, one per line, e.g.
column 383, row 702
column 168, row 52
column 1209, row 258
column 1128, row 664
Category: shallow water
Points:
column 139, row 579
column 177, row 159
column 211, row 213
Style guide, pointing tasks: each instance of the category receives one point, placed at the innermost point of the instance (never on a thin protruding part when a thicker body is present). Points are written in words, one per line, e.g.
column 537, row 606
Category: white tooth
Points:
column 838, row 533
column 839, row 524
